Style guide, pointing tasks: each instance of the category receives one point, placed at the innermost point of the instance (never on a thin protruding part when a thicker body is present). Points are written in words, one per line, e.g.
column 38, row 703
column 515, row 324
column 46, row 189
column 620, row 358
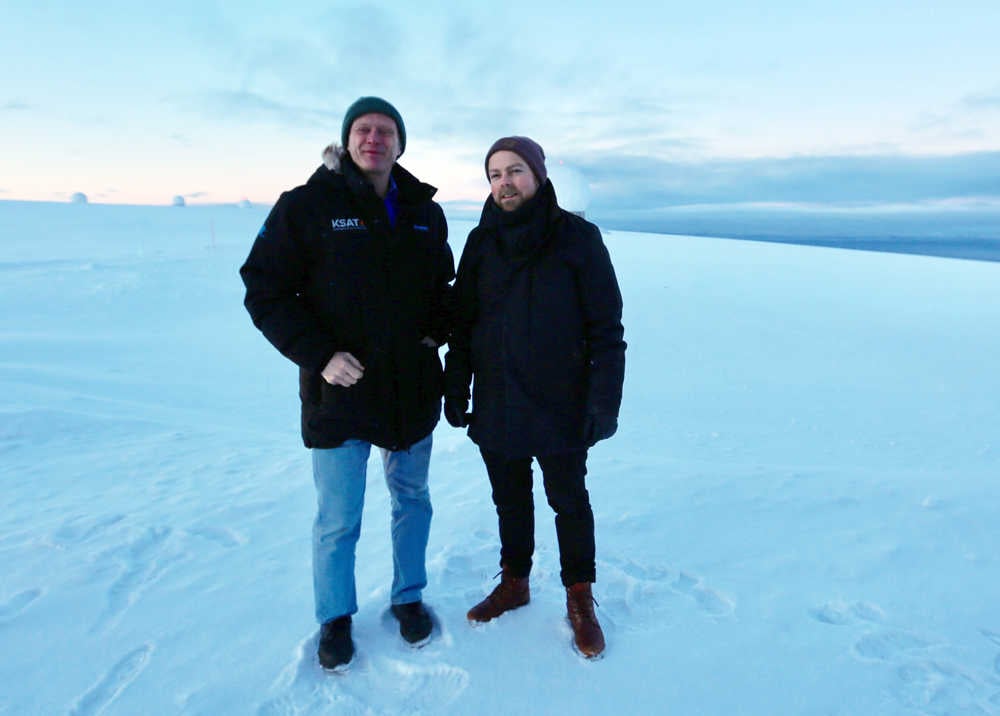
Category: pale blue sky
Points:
column 701, row 103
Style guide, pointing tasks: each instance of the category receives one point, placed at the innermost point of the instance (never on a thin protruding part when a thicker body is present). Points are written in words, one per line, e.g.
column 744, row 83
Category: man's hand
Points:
column 598, row 426
column 455, row 412
column 343, row 369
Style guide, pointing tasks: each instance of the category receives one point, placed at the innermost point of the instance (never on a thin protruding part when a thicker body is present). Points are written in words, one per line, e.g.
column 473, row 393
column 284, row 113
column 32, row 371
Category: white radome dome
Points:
column 571, row 186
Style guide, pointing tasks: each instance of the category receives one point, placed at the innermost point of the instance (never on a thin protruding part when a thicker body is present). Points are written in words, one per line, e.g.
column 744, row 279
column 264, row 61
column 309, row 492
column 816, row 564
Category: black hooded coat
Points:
column 329, row 273
column 538, row 329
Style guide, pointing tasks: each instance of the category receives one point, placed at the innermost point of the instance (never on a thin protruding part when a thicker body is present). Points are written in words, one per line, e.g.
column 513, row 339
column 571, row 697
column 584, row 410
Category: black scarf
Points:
column 520, row 233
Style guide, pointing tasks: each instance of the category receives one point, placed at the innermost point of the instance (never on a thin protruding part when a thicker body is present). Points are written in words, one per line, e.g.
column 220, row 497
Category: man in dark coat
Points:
column 349, row 278
column 538, row 333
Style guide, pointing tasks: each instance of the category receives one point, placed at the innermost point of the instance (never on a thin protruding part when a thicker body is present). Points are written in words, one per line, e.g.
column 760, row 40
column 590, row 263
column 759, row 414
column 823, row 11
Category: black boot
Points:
column 415, row 623
column 336, row 648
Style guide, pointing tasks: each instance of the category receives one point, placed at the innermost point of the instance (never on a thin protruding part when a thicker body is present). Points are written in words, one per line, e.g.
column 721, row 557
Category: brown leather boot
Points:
column 511, row 593
column 587, row 634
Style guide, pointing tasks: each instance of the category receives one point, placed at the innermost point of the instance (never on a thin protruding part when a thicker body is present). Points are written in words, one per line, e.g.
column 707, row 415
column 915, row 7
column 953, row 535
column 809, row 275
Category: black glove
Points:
column 455, row 411
column 598, row 426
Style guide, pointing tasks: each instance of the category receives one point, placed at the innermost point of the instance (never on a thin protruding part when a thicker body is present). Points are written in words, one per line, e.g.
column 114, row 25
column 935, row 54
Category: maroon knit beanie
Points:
column 527, row 149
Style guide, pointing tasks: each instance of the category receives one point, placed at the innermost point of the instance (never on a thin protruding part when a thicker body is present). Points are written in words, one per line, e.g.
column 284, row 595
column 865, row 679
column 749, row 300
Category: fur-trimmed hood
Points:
column 332, row 154
column 412, row 189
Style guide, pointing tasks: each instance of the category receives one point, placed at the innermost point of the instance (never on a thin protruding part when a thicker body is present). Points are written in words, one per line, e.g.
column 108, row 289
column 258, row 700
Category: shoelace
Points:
column 583, row 612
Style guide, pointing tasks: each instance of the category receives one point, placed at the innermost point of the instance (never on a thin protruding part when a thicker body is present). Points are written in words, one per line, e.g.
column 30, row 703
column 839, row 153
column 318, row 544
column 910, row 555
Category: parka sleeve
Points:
column 458, row 361
column 274, row 275
column 601, row 301
column 442, row 308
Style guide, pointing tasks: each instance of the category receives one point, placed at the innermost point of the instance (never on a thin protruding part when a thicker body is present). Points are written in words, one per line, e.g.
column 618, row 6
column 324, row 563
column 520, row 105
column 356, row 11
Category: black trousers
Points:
column 563, row 476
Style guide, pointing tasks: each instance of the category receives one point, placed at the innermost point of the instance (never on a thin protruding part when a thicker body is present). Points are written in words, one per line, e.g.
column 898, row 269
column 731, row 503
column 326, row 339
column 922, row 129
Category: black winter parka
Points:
column 329, row 273
column 538, row 329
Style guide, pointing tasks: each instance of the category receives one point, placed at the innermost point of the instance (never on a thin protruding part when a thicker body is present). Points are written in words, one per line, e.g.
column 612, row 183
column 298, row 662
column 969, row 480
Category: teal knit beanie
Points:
column 368, row 105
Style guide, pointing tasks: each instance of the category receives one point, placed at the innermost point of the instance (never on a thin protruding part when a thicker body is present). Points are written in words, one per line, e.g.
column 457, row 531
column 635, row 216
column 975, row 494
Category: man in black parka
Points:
column 349, row 278
column 538, row 333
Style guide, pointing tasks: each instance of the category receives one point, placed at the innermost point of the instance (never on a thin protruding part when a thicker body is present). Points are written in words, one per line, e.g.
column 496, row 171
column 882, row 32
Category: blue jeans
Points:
column 340, row 474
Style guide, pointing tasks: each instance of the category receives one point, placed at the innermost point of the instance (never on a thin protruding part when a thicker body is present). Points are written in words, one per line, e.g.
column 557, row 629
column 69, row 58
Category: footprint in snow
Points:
column 941, row 688
column 111, row 685
column 79, row 530
column 224, row 537
column 840, row 613
column 143, row 562
column 16, row 605
column 633, row 594
column 385, row 677
column 710, row 601
column 922, row 679
column 884, row 646
column 995, row 638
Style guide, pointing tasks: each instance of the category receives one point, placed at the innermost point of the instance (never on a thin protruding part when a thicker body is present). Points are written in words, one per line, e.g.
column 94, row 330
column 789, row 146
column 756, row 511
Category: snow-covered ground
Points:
column 799, row 514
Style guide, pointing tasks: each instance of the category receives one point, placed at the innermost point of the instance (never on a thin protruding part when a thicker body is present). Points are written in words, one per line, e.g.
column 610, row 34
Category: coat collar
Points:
column 337, row 162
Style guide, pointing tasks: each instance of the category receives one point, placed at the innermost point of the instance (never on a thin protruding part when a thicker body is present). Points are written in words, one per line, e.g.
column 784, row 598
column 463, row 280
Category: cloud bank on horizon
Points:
column 885, row 102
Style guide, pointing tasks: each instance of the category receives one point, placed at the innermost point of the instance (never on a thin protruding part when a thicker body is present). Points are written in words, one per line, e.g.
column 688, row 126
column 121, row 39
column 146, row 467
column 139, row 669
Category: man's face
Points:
column 511, row 180
column 373, row 143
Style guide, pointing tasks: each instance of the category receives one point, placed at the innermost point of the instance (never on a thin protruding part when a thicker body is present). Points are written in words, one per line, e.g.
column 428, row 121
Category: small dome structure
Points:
column 571, row 187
